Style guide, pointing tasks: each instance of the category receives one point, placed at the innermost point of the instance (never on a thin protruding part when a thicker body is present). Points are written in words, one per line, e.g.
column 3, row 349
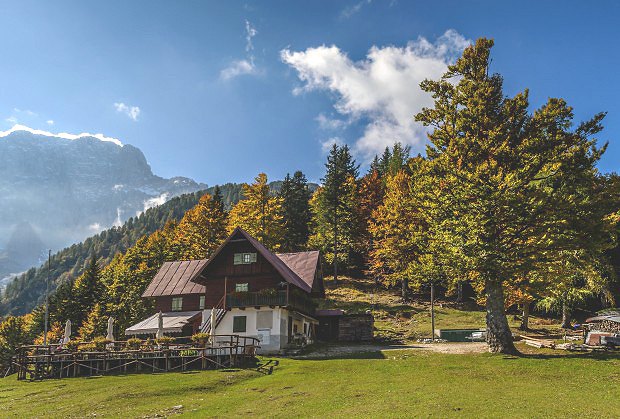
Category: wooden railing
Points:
column 37, row 362
column 220, row 312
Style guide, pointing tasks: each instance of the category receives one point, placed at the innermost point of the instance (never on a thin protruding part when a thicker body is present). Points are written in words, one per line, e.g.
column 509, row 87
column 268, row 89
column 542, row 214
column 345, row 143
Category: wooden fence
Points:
column 37, row 362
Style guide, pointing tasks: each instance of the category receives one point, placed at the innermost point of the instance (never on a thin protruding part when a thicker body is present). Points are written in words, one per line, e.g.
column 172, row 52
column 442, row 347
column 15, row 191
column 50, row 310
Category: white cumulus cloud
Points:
column 133, row 112
column 330, row 124
column 245, row 66
column 154, row 202
column 64, row 135
column 238, row 68
column 50, row 122
column 329, row 143
column 382, row 90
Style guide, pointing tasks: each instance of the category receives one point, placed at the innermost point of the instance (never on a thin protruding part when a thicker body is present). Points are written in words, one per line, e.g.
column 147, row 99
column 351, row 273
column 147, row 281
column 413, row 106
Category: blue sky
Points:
column 219, row 91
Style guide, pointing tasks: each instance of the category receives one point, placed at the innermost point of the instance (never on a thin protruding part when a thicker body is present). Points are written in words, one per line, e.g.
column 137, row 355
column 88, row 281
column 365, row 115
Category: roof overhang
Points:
column 173, row 322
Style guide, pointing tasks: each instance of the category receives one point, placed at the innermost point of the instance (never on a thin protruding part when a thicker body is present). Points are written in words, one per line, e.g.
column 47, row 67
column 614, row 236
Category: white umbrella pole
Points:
column 67, row 335
column 160, row 326
column 213, row 320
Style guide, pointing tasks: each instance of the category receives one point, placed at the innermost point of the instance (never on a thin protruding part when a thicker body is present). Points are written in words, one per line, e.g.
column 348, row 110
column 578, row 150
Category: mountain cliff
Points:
column 56, row 191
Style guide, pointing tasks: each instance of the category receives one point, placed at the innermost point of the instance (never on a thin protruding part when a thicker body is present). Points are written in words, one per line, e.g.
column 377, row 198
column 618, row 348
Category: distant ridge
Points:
column 68, row 187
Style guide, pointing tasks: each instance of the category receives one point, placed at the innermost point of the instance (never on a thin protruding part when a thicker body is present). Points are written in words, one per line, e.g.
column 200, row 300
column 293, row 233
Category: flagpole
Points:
column 47, row 289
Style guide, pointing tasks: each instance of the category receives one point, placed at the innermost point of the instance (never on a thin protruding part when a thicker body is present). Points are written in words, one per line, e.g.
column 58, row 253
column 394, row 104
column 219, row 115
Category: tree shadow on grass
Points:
column 597, row 356
column 371, row 354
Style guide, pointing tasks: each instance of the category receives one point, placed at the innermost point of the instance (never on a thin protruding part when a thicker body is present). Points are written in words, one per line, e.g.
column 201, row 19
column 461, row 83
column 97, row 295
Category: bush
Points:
column 200, row 338
column 268, row 292
column 148, row 344
column 100, row 343
column 72, row 345
column 133, row 343
column 164, row 341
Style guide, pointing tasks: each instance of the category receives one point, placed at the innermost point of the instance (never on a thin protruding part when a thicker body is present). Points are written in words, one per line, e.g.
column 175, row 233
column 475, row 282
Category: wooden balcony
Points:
column 278, row 298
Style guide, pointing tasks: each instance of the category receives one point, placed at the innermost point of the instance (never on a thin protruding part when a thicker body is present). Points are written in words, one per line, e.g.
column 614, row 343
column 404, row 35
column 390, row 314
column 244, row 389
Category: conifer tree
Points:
column 260, row 214
column 95, row 324
column 296, row 209
column 87, row 291
column 503, row 195
column 335, row 209
column 13, row 334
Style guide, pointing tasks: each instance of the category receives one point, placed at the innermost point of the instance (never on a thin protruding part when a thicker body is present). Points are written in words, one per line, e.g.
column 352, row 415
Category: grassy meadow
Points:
column 374, row 383
column 378, row 384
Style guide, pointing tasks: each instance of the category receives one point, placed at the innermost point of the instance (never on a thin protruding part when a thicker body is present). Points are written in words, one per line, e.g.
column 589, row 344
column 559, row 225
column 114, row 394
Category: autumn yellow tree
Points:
column 260, row 213
column 202, row 229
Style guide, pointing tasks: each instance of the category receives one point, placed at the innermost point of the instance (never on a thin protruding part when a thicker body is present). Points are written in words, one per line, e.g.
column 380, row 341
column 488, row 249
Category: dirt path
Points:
column 445, row 348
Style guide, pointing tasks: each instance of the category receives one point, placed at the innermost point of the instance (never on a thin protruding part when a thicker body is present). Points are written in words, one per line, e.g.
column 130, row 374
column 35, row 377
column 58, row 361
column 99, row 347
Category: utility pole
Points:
column 432, row 311
column 47, row 291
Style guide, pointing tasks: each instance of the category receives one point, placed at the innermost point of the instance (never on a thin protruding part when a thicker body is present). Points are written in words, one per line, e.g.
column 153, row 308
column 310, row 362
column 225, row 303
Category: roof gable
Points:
column 287, row 273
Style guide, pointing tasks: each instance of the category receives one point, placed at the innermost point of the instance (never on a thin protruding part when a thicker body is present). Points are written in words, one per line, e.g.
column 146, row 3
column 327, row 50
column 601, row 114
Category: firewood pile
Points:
column 605, row 326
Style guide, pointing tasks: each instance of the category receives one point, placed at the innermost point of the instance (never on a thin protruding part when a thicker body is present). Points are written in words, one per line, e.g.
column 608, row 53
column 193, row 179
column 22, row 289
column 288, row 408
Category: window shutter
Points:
column 238, row 259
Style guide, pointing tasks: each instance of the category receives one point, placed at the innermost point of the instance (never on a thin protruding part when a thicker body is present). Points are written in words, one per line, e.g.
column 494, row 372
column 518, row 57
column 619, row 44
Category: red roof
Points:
column 304, row 264
column 175, row 278
column 286, row 272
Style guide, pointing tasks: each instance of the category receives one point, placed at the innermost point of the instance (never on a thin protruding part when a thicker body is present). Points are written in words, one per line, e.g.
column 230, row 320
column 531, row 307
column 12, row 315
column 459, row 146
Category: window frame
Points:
column 244, row 258
column 180, row 305
column 244, row 285
column 202, row 302
column 236, row 326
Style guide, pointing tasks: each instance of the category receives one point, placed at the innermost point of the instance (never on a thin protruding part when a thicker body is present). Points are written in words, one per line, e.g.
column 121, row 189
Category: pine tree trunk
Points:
column 459, row 292
column 335, row 245
column 565, row 316
column 405, row 288
column 499, row 336
column 525, row 318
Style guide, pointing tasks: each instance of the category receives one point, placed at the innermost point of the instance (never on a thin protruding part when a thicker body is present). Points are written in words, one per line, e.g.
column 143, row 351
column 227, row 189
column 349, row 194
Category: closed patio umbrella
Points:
column 213, row 320
column 67, row 335
column 110, row 335
column 160, row 326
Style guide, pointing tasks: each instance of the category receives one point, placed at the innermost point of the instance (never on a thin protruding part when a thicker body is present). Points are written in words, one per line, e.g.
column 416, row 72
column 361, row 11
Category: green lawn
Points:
column 391, row 383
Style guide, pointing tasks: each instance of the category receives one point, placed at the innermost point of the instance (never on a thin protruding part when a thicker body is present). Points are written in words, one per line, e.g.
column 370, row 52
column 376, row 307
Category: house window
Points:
column 264, row 319
column 202, row 302
column 177, row 303
column 242, row 287
column 239, row 324
column 244, row 258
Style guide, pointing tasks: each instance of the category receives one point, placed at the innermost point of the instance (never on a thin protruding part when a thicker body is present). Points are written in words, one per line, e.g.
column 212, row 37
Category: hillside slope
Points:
column 26, row 291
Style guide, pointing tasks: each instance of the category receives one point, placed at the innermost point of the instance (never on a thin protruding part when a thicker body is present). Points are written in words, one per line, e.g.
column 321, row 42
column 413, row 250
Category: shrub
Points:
column 268, row 292
column 133, row 343
column 200, row 338
column 100, row 343
column 72, row 345
column 164, row 341
column 148, row 344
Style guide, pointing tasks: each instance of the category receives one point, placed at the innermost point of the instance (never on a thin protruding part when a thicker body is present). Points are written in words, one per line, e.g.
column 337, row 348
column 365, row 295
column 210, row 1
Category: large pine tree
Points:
column 296, row 209
column 503, row 197
column 335, row 209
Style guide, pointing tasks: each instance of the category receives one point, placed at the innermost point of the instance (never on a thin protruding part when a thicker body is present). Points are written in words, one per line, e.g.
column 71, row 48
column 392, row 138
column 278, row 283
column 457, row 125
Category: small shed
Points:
column 602, row 327
column 336, row 325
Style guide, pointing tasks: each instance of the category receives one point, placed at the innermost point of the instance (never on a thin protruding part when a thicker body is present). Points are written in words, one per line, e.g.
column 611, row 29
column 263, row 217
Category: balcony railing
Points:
column 278, row 298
